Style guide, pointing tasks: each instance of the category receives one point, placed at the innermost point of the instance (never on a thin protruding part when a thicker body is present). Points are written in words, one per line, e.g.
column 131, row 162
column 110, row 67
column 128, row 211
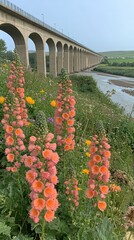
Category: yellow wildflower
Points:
column 30, row 100
column 88, row 142
column 85, row 171
column 79, row 189
column 28, row 124
column 2, row 99
column 53, row 103
column 88, row 154
column 5, row 65
column 42, row 91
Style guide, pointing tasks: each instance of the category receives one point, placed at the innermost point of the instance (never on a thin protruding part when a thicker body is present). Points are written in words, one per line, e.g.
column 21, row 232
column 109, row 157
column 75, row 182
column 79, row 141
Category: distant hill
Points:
column 118, row 54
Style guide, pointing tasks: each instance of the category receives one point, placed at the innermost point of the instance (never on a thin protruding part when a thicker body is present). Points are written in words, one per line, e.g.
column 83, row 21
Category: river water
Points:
column 124, row 100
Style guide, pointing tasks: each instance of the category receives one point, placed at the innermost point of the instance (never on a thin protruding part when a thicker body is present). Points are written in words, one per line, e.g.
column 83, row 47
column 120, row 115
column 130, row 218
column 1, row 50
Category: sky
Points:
column 101, row 25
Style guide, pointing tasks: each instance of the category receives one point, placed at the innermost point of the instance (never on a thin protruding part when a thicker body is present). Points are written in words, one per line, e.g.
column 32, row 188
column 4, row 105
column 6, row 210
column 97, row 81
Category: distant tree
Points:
column 3, row 49
column 10, row 55
column 32, row 60
column 105, row 60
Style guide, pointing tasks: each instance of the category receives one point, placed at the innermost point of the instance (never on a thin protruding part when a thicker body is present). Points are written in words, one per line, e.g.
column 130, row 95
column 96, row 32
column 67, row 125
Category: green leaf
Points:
column 22, row 237
column 104, row 231
column 4, row 229
column 55, row 225
column 50, row 237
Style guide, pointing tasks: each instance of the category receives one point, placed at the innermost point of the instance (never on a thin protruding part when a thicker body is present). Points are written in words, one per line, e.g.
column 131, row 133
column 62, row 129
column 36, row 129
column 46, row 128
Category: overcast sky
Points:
column 101, row 25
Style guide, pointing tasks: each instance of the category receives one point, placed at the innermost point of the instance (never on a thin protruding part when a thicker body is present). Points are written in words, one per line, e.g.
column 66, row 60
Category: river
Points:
column 108, row 82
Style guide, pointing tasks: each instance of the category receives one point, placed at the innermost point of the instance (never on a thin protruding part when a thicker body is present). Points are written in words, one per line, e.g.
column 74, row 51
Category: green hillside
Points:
column 115, row 54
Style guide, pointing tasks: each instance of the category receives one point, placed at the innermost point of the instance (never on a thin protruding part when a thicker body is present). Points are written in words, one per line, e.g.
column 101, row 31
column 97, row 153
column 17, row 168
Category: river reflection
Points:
column 105, row 82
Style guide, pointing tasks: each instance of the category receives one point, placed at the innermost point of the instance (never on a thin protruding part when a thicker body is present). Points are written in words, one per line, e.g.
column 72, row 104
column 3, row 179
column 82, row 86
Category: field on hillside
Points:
column 118, row 54
column 118, row 63
column 121, row 60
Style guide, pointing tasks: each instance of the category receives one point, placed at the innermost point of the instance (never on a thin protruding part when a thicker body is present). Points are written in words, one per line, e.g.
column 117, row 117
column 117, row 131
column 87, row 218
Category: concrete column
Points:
column 66, row 58
column 75, row 59
column 82, row 56
column 78, row 60
column 59, row 57
column 41, row 60
column 52, row 62
column 84, row 59
column 22, row 50
column 70, row 59
column 81, row 60
column 89, row 60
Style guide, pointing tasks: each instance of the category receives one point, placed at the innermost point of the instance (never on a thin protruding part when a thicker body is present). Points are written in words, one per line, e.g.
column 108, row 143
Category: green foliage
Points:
column 10, row 55
column 41, row 123
column 22, row 237
column 84, row 83
column 33, row 60
column 3, row 49
column 105, row 231
column 123, row 71
column 4, row 229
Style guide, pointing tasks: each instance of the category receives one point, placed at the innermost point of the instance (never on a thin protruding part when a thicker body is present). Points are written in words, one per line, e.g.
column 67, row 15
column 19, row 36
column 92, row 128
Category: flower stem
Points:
column 43, row 230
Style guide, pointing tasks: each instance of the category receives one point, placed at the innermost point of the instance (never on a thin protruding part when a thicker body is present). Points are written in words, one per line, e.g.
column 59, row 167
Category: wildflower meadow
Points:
column 67, row 159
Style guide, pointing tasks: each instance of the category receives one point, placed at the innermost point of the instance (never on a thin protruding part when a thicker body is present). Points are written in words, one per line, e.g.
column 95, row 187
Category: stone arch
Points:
column 40, row 56
column 19, row 41
column 52, row 56
column 66, row 58
column 59, row 56
column 71, row 55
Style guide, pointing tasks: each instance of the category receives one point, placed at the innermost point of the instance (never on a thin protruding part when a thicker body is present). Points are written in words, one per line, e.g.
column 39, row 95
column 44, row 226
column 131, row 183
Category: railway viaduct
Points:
column 64, row 52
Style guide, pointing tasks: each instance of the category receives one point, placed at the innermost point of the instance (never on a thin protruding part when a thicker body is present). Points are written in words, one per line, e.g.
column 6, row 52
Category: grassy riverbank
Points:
column 96, row 114
column 115, row 70
column 118, row 63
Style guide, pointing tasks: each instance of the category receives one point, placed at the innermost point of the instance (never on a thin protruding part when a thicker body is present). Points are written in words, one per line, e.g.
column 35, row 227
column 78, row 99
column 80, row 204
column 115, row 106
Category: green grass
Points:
column 118, row 54
column 122, row 71
column 121, row 60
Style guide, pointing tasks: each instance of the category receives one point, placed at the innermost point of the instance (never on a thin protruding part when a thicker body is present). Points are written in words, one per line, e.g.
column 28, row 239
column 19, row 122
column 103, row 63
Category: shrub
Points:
column 84, row 83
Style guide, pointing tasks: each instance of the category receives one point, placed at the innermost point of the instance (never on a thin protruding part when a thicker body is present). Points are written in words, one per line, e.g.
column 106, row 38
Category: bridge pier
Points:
column 22, row 51
column 41, row 61
column 70, row 59
column 75, row 60
column 59, row 57
column 66, row 58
